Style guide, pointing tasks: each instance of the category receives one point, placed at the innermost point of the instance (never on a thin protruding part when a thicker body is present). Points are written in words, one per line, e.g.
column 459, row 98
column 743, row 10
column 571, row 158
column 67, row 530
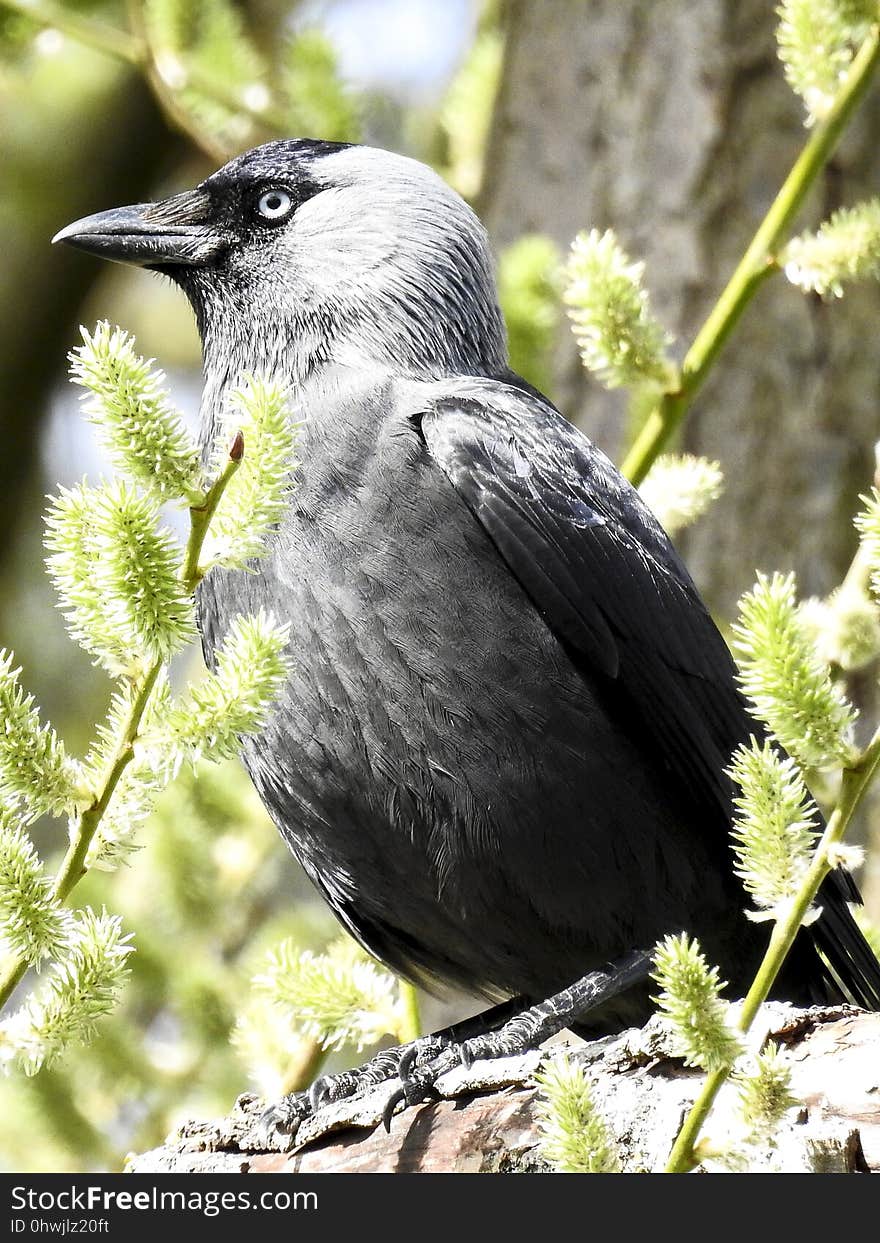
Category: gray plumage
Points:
column 501, row 753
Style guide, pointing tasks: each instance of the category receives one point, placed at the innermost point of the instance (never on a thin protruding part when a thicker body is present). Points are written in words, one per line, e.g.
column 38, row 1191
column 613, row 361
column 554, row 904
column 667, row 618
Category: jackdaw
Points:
column 501, row 752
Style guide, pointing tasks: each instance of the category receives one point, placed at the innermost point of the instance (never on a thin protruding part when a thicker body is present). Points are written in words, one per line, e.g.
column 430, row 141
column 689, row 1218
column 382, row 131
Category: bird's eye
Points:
column 274, row 204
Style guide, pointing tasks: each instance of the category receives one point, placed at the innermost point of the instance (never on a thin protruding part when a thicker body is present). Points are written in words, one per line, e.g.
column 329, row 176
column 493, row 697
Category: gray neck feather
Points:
column 410, row 339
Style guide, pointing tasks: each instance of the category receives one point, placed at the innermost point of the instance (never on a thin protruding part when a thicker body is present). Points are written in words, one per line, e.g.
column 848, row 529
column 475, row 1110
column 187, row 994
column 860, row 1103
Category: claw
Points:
column 318, row 1092
column 397, row 1097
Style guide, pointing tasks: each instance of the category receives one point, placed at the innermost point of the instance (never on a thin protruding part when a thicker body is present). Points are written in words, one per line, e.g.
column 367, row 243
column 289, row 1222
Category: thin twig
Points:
column 200, row 518
column 133, row 48
column 412, row 1025
column 85, row 30
column 303, row 1068
column 857, row 778
column 168, row 96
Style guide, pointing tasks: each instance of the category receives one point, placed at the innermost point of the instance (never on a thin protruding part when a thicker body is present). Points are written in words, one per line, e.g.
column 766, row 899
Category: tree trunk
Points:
column 672, row 123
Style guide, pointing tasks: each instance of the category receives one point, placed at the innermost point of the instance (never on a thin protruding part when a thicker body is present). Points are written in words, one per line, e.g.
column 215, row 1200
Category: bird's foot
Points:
column 507, row 1030
column 418, row 1076
column 280, row 1123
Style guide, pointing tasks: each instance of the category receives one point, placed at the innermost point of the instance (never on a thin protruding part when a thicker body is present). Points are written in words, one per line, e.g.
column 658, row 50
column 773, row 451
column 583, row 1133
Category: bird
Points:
column 502, row 751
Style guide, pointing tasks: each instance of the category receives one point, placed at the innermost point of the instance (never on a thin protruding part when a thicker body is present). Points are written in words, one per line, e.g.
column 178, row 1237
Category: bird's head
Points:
column 320, row 251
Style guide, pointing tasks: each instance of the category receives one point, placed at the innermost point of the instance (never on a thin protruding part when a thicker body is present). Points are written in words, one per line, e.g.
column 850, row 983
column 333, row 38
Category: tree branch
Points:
column 486, row 1120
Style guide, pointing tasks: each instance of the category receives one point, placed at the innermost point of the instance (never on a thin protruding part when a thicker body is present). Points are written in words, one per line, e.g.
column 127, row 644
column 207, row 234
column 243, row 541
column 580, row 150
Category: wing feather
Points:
column 602, row 573
column 605, row 577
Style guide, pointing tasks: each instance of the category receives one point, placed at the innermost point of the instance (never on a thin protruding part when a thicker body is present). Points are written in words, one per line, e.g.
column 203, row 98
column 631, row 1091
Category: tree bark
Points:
column 486, row 1121
column 672, row 123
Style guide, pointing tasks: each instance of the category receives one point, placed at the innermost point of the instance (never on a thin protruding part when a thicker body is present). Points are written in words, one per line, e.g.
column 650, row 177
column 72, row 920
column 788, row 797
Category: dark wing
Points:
column 603, row 574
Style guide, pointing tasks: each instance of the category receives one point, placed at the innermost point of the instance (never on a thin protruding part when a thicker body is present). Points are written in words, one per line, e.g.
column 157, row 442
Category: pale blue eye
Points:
column 274, row 204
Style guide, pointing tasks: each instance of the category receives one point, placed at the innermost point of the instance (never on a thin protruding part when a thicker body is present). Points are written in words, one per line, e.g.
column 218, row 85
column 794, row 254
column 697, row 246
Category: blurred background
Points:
column 670, row 122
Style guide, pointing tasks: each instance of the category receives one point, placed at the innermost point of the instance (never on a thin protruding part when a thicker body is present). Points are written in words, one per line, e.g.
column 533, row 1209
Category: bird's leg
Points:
column 526, row 1030
column 286, row 1116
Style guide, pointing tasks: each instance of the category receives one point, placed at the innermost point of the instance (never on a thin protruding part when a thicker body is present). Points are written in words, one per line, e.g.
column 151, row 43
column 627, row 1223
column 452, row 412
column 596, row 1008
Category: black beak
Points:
column 175, row 231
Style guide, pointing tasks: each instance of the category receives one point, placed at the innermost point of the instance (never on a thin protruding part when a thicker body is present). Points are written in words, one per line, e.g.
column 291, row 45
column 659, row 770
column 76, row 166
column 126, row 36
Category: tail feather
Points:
column 850, row 966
